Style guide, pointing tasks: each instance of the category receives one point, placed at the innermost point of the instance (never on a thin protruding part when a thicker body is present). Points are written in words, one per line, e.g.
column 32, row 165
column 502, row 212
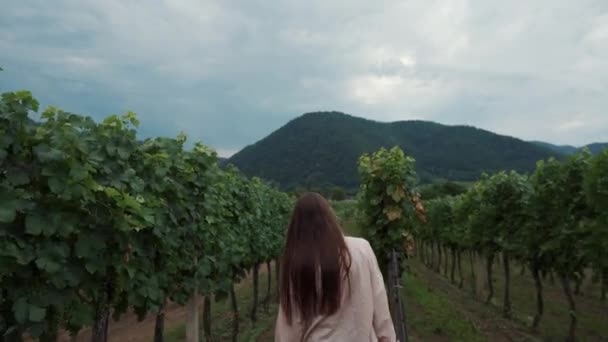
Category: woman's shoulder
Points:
column 361, row 253
column 355, row 243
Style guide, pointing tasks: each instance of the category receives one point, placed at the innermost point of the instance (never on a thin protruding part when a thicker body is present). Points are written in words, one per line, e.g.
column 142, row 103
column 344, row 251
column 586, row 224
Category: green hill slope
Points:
column 321, row 149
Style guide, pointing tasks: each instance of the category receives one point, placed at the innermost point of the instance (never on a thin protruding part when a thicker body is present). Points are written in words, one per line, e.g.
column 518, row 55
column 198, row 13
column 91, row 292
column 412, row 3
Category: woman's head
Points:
column 315, row 260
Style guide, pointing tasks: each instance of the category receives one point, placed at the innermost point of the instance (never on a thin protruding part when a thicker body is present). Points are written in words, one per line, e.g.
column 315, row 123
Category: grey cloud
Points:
column 230, row 72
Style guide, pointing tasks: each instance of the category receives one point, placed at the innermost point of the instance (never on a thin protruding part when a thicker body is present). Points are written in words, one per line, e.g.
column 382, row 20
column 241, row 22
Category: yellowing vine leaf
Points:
column 393, row 213
column 398, row 194
column 408, row 244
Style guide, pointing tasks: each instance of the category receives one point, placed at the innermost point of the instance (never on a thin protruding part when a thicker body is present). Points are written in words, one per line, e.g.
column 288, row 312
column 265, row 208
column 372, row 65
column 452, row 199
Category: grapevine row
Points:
column 553, row 221
column 94, row 222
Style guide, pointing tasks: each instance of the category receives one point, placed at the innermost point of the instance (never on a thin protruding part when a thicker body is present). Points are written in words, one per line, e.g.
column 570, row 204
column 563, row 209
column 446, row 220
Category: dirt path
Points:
column 266, row 336
column 129, row 329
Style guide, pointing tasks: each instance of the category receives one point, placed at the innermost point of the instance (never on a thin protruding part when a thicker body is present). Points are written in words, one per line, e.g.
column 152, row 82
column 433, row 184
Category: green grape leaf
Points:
column 36, row 313
column 47, row 265
column 34, row 224
column 78, row 173
column 7, row 213
column 20, row 310
column 18, row 178
column 46, row 153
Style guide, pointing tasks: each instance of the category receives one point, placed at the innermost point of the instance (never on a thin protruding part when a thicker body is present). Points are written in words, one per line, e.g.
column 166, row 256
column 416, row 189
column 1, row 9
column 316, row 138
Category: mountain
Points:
column 321, row 149
column 562, row 149
column 595, row 148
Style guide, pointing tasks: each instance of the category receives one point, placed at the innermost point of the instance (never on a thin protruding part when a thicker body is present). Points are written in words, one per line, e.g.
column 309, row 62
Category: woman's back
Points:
column 363, row 314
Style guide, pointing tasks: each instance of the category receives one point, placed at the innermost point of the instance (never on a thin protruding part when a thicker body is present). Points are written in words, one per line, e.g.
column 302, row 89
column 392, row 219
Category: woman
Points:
column 331, row 286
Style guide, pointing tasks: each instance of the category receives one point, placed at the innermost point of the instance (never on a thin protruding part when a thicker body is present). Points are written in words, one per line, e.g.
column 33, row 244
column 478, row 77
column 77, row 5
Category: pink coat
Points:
column 364, row 316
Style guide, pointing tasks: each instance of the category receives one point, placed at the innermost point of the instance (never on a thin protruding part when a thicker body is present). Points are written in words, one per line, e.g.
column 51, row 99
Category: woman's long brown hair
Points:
column 315, row 263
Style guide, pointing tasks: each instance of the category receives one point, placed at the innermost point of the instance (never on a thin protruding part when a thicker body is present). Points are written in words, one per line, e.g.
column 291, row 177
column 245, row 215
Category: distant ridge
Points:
column 569, row 149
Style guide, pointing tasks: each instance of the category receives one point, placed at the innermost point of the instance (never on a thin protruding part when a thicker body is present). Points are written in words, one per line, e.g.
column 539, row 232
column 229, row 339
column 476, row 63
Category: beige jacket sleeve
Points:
column 383, row 323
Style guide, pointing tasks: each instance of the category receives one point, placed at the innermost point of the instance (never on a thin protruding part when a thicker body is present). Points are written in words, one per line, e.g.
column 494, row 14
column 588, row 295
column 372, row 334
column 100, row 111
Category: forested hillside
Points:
column 562, row 149
column 321, row 149
column 595, row 148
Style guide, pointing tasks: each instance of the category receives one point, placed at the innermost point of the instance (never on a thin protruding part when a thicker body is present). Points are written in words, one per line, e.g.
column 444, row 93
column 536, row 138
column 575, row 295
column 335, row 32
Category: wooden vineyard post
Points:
column 192, row 319
column 395, row 297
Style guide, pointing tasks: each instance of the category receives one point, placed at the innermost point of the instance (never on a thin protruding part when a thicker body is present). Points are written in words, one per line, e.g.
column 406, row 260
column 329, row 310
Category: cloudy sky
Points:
column 230, row 72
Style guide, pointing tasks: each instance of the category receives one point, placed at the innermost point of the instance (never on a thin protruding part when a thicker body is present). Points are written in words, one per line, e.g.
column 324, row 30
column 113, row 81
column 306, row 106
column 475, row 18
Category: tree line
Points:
column 94, row 222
